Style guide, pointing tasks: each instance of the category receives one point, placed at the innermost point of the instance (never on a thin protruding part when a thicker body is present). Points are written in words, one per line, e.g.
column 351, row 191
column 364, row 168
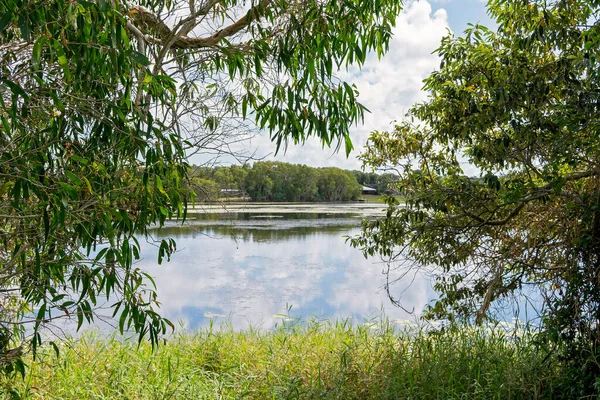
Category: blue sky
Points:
column 387, row 87
column 462, row 12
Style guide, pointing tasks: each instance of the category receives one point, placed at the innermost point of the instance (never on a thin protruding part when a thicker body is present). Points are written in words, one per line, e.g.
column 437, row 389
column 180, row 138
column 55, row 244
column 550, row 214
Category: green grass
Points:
column 317, row 360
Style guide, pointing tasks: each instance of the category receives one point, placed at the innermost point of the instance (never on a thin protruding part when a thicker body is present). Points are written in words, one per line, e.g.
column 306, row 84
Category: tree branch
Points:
column 537, row 194
column 148, row 22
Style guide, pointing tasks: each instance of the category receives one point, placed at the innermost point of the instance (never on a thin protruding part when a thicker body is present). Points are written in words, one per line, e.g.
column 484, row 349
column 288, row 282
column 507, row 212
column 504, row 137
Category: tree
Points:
column 521, row 106
column 292, row 182
column 205, row 190
column 102, row 101
column 305, row 183
column 366, row 178
column 239, row 176
column 259, row 184
column 224, row 177
column 335, row 184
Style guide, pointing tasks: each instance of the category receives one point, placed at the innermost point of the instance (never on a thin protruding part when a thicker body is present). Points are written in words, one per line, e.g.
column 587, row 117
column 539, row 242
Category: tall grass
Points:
column 315, row 360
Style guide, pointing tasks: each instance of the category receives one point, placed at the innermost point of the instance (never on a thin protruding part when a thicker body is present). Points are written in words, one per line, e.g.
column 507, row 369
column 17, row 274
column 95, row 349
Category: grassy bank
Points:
column 313, row 361
column 372, row 198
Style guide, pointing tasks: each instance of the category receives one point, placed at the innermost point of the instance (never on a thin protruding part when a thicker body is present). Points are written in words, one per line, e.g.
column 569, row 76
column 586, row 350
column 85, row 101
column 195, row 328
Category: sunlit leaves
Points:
column 500, row 174
column 308, row 43
column 72, row 152
column 90, row 145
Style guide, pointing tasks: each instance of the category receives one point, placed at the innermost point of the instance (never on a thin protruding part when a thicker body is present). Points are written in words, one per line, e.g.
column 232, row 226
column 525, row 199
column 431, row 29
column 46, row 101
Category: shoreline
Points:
column 360, row 208
column 321, row 360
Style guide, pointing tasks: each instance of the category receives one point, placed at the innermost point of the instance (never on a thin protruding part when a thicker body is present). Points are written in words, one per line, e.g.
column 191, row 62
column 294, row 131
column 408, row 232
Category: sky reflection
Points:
column 254, row 272
column 249, row 275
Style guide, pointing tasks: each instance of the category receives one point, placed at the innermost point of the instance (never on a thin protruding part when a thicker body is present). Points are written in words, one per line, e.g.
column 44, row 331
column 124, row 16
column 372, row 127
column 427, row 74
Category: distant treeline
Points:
column 278, row 181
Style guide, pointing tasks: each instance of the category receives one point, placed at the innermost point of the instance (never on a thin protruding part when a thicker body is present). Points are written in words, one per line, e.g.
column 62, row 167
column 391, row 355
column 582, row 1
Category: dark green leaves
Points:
column 499, row 174
column 492, row 182
column 91, row 150
column 5, row 20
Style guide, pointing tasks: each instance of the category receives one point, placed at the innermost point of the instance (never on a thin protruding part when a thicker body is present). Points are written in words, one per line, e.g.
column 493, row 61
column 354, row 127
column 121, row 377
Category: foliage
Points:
column 521, row 106
column 380, row 182
column 258, row 182
column 335, row 184
column 277, row 181
column 316, row 360
column 101, row 102
column 205, row 189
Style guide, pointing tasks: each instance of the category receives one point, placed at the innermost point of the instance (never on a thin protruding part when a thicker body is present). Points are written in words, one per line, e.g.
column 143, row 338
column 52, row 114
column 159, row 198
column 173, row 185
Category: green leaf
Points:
column 74, row 178
column 46, row 220
column 62, row 58
column 101, row 254
column 56, row 349
column 64, row 63
column 244, row 107
column 311, row 68
column 349, row 145
column 159, row 185
column 69, row 189
column 138, row 57
column 15, row 88
column 124, row 38
column 88, row 184
column 37, row 52
column 79, row 159
column 349, row 90
column 123, row 318
column 20, row 368
column 24, row 28
column 41, row 314
column 5, row 20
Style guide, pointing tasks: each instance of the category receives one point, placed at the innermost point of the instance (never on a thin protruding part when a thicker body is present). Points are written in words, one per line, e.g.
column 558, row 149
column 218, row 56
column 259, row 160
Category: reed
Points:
column 311, row 360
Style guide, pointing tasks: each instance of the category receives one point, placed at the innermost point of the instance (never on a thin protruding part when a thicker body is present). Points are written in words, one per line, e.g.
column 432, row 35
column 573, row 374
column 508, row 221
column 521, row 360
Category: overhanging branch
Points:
column 540, row 192
column 156, row 31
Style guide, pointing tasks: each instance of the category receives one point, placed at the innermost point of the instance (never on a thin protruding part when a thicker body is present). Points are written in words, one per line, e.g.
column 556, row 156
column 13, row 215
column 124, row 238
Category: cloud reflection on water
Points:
column 251, row 273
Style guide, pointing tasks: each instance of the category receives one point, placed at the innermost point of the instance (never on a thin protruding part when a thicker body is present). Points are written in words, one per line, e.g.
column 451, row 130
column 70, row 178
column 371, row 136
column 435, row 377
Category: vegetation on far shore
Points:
column 279, row 182
column 317, row 360
column 365, row 198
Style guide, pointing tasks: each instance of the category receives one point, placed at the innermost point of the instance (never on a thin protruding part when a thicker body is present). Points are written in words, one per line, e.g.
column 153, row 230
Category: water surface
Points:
column 256, row 265
column 252, row 265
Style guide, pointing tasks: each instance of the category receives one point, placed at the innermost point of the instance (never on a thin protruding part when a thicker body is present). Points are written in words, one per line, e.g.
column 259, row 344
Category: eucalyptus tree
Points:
column 521, row 106
column 101, row 102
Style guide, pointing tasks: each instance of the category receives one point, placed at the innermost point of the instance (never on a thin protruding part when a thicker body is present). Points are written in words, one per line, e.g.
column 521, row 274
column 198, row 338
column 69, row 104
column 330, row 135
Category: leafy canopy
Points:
column 521, row 106
column 101, row 101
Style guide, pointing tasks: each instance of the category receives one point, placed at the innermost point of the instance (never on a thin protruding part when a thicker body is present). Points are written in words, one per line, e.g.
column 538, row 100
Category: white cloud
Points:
column 388, row 87
column 250, row 281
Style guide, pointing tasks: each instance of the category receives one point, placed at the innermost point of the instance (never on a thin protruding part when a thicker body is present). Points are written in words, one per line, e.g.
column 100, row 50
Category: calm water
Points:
column 252, row 266
column 260, row 264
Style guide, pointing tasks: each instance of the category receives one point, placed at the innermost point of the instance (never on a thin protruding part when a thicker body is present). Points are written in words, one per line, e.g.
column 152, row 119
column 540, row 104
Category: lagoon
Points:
column 258, row 264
